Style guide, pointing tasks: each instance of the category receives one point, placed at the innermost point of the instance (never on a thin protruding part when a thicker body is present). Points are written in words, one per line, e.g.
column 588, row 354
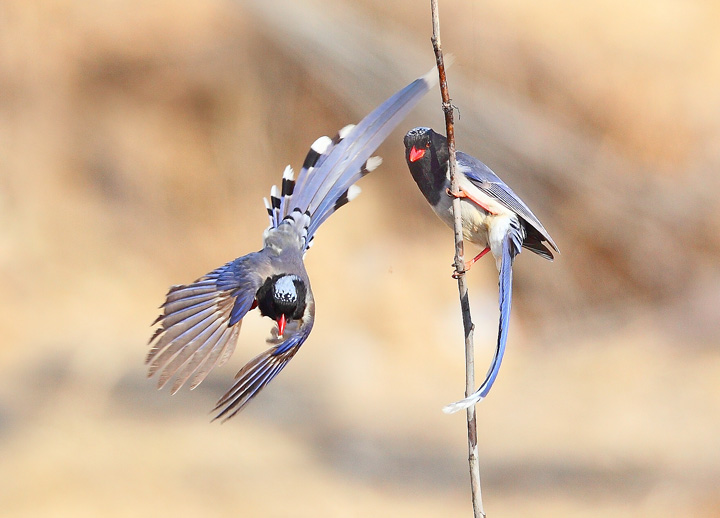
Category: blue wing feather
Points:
column 186, row 337
column 488, row 182
column 258, row 372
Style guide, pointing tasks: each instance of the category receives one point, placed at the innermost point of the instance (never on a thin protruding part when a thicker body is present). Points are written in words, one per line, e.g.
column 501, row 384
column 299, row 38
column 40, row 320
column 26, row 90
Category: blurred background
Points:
column 137, row 140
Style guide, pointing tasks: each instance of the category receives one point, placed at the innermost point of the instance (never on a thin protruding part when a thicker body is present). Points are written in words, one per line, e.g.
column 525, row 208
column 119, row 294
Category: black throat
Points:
column 430, row 171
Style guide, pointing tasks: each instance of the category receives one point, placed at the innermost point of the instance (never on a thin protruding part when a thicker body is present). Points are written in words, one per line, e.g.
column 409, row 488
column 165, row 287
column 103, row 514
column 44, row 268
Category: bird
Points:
column 200, row 322
column 493, row 217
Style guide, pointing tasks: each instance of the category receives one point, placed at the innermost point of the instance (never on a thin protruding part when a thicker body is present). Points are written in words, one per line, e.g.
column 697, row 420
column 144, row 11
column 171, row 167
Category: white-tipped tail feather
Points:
column 373, row 163
column 321, row 144
column 344, row 132
column 462, row 404
column 353, row 192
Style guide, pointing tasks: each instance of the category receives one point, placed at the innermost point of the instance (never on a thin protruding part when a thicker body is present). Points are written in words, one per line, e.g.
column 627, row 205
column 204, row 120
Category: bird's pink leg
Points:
column 469, row 264
column 475, row 259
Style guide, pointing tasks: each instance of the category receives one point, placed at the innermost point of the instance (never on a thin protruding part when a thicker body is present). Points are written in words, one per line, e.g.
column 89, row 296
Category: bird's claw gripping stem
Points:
column 456, row 274
column 458, row 271
column 461, row 194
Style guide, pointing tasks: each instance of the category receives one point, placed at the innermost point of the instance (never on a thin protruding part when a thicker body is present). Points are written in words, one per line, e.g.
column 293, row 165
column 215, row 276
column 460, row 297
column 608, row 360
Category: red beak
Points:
column 416, row 154
column 281, row 324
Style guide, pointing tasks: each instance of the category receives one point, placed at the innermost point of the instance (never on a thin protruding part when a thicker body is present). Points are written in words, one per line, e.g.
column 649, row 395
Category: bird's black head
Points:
column 283, row 298
column 427, row 156
column 425, row 145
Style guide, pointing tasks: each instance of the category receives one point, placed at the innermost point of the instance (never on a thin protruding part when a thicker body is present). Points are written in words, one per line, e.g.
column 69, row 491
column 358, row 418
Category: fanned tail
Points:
column 332, row 166
column 310, row 177
column 319, row 151
column 351, row 158
column 277, row 207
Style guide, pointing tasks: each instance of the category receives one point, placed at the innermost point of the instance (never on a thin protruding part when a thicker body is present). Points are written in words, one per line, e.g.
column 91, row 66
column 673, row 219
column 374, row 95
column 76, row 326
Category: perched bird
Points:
column 493, row 217
column 200, row 322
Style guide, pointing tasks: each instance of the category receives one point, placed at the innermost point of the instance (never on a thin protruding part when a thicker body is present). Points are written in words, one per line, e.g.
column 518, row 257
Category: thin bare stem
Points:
column 468, row 326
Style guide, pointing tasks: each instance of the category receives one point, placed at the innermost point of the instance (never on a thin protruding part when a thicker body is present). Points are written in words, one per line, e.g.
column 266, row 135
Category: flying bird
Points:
column 200, row 322
column 493, row 217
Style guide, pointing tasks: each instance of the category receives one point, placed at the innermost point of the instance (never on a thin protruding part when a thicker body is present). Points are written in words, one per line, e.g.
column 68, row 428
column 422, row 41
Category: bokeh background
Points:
column 136, row 142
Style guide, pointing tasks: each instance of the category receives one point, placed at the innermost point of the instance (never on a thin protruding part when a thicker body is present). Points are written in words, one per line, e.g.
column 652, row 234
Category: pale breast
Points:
column 475, row 220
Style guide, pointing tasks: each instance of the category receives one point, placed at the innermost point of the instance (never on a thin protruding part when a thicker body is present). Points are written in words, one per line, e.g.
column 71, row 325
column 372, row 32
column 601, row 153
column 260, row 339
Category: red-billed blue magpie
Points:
column 200, row 322
column 493, row 217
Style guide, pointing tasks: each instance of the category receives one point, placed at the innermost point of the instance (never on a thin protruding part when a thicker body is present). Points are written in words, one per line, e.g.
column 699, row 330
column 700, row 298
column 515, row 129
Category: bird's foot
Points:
column 461, row 194
column 466, row 267
column 457, row 273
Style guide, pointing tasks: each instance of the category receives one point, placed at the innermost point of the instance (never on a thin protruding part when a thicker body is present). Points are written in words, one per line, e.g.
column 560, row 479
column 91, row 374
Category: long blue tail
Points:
column 332, row 166
column 510, row 250
column 324, row 182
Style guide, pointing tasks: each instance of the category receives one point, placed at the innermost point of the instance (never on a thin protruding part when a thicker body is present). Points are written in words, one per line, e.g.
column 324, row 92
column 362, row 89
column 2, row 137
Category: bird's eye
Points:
column 427, row 146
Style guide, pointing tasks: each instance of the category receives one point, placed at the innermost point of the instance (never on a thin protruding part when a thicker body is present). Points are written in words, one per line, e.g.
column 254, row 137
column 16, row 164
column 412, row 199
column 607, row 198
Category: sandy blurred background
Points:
column 136, row 142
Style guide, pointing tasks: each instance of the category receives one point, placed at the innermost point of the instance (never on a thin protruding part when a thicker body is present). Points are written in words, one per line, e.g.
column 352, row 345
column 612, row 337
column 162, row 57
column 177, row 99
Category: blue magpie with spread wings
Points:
column 200, row 322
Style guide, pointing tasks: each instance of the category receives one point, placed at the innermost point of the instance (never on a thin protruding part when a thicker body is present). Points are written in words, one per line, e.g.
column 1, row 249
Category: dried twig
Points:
column 460, row 272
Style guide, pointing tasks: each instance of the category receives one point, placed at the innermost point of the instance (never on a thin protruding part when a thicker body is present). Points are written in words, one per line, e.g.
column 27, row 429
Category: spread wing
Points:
column 200, row 322
column 261, row 370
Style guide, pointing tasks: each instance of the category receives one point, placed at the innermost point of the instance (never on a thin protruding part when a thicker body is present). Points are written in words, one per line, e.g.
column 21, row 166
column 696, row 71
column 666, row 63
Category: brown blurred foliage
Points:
column 136, row 142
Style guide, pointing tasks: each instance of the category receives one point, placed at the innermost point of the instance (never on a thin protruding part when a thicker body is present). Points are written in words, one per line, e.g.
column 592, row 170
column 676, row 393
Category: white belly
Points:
column 475, row 221
column 479, row 227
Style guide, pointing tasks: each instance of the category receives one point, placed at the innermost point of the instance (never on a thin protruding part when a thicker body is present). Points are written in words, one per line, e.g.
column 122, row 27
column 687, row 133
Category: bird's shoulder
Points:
column 476, row 170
